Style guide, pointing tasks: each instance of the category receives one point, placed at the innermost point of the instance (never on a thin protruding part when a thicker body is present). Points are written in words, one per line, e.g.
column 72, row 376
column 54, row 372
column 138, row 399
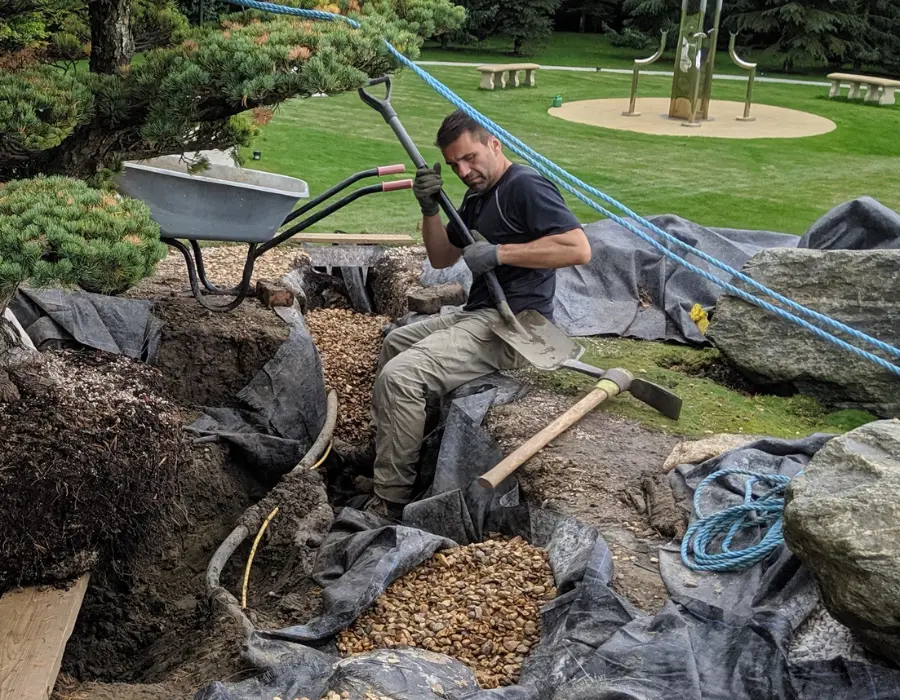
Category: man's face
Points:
column 475, row 163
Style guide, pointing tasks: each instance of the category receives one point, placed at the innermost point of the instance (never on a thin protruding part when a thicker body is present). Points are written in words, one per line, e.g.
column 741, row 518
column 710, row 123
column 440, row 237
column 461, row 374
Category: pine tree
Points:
column 199, row 90
column 526, row 22
column 808, row 33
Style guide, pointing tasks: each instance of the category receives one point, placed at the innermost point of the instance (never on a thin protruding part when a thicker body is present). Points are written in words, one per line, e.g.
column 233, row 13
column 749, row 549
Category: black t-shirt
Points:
column 523, row 206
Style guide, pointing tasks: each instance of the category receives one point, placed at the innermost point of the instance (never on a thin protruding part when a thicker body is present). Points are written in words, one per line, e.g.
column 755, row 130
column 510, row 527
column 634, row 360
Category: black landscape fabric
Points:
column 630, row 289
column 595, row 645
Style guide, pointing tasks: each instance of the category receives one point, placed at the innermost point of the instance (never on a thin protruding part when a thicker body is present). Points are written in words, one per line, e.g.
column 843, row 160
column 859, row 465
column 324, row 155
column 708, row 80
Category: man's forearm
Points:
column 441, row 252
column 549, row 252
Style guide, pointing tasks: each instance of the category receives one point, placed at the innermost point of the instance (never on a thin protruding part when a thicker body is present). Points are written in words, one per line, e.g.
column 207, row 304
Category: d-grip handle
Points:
column 384, row 108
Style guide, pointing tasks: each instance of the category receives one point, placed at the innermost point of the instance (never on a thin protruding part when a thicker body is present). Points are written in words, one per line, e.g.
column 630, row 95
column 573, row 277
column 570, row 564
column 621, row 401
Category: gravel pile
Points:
column 478, row 603
column 224, row 264
column 822, row 637
column 349, row 343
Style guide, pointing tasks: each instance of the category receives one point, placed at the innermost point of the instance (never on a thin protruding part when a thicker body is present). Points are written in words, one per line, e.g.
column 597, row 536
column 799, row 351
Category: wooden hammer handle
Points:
column 493, row 478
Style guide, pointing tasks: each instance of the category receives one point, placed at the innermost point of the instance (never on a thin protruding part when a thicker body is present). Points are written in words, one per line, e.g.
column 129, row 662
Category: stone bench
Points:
column 880, row 90
column 490, row 72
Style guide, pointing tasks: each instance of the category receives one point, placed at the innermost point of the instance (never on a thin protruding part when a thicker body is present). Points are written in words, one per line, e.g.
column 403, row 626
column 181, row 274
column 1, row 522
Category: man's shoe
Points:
column 385, row 509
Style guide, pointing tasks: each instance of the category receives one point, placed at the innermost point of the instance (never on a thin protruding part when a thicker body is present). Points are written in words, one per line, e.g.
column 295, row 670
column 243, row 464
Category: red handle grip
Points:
column 391, row 169
column 396, row 185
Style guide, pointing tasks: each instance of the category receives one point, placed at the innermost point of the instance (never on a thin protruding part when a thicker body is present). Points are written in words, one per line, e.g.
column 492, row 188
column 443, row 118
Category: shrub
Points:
column 57, row 231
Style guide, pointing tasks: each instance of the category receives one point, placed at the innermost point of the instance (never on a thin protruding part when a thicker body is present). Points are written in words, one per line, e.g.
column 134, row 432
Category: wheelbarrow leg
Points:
column 241, row 292
column 201, row 273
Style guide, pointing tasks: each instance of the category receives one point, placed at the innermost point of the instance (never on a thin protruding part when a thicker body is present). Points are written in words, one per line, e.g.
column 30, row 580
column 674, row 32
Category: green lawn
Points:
column 595, row 51
column 774, row 184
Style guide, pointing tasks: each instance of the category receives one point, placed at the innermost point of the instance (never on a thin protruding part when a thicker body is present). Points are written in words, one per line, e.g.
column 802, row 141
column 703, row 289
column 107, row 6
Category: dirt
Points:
column 280, row 592
column 90, row 451
column 207, row 357
column 126, row 614
column 148, row 631
column 596, row 472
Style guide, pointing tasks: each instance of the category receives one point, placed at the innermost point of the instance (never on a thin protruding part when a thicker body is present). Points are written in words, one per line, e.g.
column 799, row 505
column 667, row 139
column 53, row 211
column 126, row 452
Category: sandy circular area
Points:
column 770, row 123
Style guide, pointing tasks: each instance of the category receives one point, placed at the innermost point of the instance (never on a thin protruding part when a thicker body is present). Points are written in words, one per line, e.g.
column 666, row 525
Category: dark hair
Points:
column 457, row 124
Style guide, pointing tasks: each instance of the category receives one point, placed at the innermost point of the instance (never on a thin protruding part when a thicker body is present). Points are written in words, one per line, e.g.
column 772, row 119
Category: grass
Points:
column 708, row 406
column 772, row 184
column 595, row 51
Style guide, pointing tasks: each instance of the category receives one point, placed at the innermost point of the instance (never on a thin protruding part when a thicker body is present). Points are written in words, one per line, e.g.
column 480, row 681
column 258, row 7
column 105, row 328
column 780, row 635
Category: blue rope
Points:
column 556, row 174
column 719, row 529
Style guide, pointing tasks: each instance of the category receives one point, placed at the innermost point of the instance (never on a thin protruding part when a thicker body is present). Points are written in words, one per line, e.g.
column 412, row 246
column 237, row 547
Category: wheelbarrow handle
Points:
column 386, row 110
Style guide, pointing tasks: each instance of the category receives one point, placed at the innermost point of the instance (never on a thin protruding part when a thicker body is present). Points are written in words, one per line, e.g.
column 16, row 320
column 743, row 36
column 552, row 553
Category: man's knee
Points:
column 398, row 379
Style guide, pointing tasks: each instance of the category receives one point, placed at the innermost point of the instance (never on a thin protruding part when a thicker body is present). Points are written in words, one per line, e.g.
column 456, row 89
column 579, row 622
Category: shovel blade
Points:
column 537, row 340
column 656, row 397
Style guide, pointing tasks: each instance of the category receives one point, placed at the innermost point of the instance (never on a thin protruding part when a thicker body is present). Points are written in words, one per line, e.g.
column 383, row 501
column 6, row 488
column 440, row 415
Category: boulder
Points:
column 429, row 300
column 856, row 287
column 842, row 519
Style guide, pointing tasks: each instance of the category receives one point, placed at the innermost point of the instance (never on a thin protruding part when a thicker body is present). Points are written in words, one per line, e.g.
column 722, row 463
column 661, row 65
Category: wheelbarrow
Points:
column 234, row 205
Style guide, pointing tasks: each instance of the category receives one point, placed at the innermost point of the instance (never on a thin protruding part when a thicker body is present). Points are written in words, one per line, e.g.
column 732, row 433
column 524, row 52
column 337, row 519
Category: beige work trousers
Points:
column 429, row 358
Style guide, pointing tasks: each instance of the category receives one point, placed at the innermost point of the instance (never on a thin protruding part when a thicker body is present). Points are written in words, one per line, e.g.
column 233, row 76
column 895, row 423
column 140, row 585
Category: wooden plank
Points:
column 35, row 624
column 356, row 238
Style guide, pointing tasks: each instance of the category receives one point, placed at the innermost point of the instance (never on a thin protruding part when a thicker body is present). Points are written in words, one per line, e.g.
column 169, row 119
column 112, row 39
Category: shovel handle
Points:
column 493, row 478
column 386, row 110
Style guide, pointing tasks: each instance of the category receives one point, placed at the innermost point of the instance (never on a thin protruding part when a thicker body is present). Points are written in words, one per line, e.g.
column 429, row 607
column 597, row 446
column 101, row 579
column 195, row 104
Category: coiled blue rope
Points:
column 717, row 531
column 563, row 178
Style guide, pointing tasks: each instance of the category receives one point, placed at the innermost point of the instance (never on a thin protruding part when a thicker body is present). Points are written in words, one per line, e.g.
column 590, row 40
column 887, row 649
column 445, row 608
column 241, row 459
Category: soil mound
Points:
column 206, row 358
column 90, row 450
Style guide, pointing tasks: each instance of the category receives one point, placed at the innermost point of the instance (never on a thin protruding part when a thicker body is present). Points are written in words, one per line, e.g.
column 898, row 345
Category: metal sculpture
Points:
column 746, row 66
column 694, row 61
column 642, row 63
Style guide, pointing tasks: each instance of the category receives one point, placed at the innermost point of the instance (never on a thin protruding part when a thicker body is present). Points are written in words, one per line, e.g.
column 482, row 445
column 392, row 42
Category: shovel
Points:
column 612, row 382
column 530, row 334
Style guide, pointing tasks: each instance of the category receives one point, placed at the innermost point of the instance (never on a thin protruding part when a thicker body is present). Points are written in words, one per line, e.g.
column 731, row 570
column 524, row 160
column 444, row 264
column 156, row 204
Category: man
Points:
column 526, row 232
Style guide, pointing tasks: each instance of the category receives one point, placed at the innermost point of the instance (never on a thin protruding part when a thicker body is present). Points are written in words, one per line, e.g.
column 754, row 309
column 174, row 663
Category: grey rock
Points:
column 842, row 519
column 313, row 289
column 458, row 273
column 856, row 287
column 429, row 300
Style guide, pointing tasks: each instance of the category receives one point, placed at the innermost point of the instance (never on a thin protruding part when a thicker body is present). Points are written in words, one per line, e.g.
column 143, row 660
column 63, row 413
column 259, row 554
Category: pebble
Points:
column 821, row 637
column 479, row 603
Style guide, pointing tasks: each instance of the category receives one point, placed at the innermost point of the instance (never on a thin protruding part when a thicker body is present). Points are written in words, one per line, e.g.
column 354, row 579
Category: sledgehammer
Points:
column 612, row 382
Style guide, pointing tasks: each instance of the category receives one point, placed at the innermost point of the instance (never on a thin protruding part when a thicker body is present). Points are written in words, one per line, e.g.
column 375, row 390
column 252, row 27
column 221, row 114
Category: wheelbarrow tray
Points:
column 222, row 203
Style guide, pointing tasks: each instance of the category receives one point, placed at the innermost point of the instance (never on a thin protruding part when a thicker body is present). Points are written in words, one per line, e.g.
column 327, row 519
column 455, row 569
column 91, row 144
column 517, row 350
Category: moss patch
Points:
column 709, row 407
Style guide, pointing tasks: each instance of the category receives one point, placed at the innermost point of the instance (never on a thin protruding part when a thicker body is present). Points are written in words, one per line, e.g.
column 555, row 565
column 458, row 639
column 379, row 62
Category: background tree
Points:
column 481, row 22
column 590, row 15
column 802, row 33
column 526, row 22
column 879, row 43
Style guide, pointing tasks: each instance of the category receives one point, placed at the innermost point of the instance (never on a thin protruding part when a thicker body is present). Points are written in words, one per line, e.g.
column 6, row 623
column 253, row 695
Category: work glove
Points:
column 481, row 256
column 426, row 186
